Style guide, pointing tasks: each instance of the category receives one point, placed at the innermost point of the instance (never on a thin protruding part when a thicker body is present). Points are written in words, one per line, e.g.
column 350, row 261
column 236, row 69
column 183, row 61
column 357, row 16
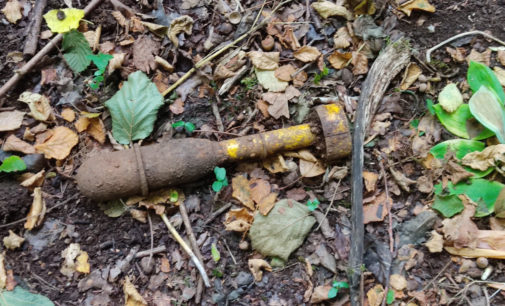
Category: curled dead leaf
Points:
column 12, row 143
column 38, row 104
column 59, row 144
column 37, row 210
column 256, row 266
column 307, row 54
column 179, row 25
column 436, row 243
column 11, row 120
column 327, row 9
column 131, row 295
column 422, row 5
column 410, row 76
column 70, row 264
column 284, row 72
column 484, row 57
column 13, row 241
column 360, row 63
column 242, row 191
column 264, row 60
column 339, row 60
column 275, row 164
column 237, row 226
column 116, row 62
column 320, row 294
column 33, row 180
column 12, row 11
column 342, row 39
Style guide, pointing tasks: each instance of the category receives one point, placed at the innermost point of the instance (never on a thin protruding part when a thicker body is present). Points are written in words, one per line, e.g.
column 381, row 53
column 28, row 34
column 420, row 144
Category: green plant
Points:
column 101, row 61
column 249, row 82
column 20, row 296
column 390, row 298
column 335, row 287
column 313, row 204
column 183, row 125
column 12, row 163
column 221, row 180
column 322, row 74
column 215, row 252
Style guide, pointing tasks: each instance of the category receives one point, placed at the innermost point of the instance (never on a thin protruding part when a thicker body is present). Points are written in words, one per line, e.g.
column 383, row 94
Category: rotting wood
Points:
column 387, row 65
column 34, row 29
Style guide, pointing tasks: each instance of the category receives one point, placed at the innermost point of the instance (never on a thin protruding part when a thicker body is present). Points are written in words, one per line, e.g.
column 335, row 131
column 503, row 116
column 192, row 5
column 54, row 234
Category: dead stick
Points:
column 33, row 35
column 194, row 245
column 34, row 60
column 387, row 65
column 152, row 251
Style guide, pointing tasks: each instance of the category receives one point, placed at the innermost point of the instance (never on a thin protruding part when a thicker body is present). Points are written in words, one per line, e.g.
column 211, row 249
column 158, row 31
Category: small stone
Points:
column 244, row 279
column 482, row 262
column 147, row 265
column 347, row 76
column 466, row 264
column 235, row 294
column 474, row 272
column 243, row 245
column 422, row 78
column 423, row 87
column 431, row 28
column 268, row 43
column 225, row 28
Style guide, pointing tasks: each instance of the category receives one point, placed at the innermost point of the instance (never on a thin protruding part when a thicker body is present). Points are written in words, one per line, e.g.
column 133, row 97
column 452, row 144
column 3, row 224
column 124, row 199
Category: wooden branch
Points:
column 387, row 65
column 33, row 35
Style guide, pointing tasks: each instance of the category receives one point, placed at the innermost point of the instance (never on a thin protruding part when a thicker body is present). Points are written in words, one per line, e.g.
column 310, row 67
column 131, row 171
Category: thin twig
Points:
column 186, row 248
column 217, row 213
column 331, row 203
column 215, row 110
column 428, row 53
column 151, row 251
column 152, row 237
column 229, row 251
column 433, row 280
column 388, row 208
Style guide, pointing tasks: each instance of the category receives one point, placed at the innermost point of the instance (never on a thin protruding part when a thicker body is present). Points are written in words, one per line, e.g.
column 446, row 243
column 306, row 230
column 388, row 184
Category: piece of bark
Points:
column 387, row 65
column 33, row 35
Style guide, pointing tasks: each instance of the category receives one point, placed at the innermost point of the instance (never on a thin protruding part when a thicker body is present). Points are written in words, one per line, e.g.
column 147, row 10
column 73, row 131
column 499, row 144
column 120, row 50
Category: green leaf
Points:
column 22, row 297
column 177, row 124
column 174, row 196
column 76, row 50
column 217, row 186
column 215, row 252
column 189, row 127
column 114, row 208
column 414, row 123
column 340, row 285
column 429, row 106
column 333, row 291
column 133, row 108
column 390, row 297
column 488, row 111
column 100, row 60
column 217, row 273
column 312, row 205
column 448, row 206
column 225, row 182
column 456, row 122
column 63, row 20
column 283, row 230
column 450, row 98
column 12, row 163
column 480, row 74
column 220, row 173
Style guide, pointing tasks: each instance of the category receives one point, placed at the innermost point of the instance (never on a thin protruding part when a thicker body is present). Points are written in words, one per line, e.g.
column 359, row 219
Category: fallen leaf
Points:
column 342, row 39
column 69, row 256
column 284, row 72
column 320, row 294
column 339, row 60
column 13, row 241
column 267, row 203
column 144, row 50
column 12, row 143
column 460, row 231
column 311, row 169
column 96, row 129
column 256, row 267
column 82, row 264
column 457, row 54
column 37, row 210
column 12, row 11
column 360, row 63
column 120, row 18
column 179, row 25
column 70, row 21
column 500, row 75
column 3, row 273
column 327, row 9
column 264, row 60
column 239, row 214
column 491, row 156
column 377, row 210
column 370, row 180
column 424, row 184
column 242, row 191
column 131, row 296
column 34, row 180
column 139, row 215
column 411, row 74
column 59, row 145
column 500, row 56
column 38, row 104
column 267, row 79
column 260, row 188
column 398, row 282
column 237, row 226
column 177, row 107
column 68, row 114
column 300, row 79
column 436, row 242
column 11, row 282
column 11, row 120
column 275, row 164
column 375, row 295
column 484, row 57
column 402, row 180
column 450, row 98
column 116, row 62
column 457, row 172
column 279, row 104
column 82, row 124
column 422, row 5
column 288, row 39
column 307, row 54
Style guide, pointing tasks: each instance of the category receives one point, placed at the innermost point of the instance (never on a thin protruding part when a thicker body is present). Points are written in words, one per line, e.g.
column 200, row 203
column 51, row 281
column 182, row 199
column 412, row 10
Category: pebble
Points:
column 147, row 266
column 346, row 76
column 423, row 87
column 235, row 294
column 225, row 28
column 422, row 78
column 482, row 262
column 243, row 245
column 243, row 279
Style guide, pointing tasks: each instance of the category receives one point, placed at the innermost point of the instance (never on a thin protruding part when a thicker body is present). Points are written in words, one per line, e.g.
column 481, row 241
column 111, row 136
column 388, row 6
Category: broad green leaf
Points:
column 429, row 106
column 12, row 163
column 332, row 293
column 133, row 108
column 340, row 285
column 177, row 124
column 217, row 186
column 488, row 111
column 76, row 50
column 215, row 252
column 390, row 297
column 481, row 191
column 22, row 297
column 114, row 208
column 189, row 127
column 63, row 20
column 480, row 74
column 220, row 173
column 450, row 98
column 456, row 122
column 283, row 230
column 448, row 206
column 100, row 60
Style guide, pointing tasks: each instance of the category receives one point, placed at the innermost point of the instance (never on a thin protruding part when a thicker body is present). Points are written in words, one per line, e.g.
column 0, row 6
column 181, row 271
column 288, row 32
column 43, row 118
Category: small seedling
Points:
column 221, row 180
column 174, row 196
column 313, row 204
column 335, row 286
column 215, row 252
column 179, row 126
column 249, row 83
column 12, row 163
column 101, row 61
column 322, row 74
column 390, row 297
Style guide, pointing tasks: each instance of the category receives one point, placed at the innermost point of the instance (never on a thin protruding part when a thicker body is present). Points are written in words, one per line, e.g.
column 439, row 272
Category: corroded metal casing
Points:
column 337, row 137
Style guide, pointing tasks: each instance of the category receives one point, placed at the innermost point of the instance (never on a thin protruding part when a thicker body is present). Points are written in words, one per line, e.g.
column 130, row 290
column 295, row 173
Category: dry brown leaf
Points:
column 136, row 25
column 33, row 180
column 82, row 124
column 179, row 25
column 311, row 169
column 422, row 5
column 275, row 164
column 96, row 129
column 12, row 11
column 81, row 263
column 491, row 156
column 267, row 203
column 403, row 181
column 302, row 154
column 500, row 74
column 264, row 60
column 139, row 215
column 411, row 74
column 436, row 243
column 425, row 184
column 284, row 72
column 457, row 172
column 37, row 210
column 307, row 54
column 121, row 20
column 475, row 252
column 360, row 63
column 256, row 266
column 300, row 79
column 460, row 231
column 3, row 273
column 165, row 265
column 370, row 180
column 279, row 104
column 11, row 120
column 484, row 57
column 338, row 173
column 68, row 114
column 339, row 60
column 458, row 54
column 500, row 56
column 288, row 38
column 398, row 282
column 38, row 104
column 131, row 296
column 375, row 295
column 263, row 107
column 237, row 226
column 342, row 39
column 242, row 191
column 327, row 9
column 144, row 50
column 91, row 37
column 177, row 107
column 320, row 294
column 13, row 241
column 260, row 188
column 12, row 143
column 116, row 62
column 377, row 210
column 59, row 145
column 239, row 214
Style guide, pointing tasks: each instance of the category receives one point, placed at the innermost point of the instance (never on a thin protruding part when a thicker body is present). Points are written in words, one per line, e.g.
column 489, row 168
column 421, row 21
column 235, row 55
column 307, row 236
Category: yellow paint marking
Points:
column 333, row 111
column 232, row 148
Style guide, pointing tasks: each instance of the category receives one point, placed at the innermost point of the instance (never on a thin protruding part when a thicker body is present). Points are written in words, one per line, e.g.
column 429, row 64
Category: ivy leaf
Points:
column 76, row 50
column 133, row 108
column 480, row 74
column 12, row 163
column 448, row 206
column 20, row 296
column 215, row 252
column 63, row 20
column 100, row 60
